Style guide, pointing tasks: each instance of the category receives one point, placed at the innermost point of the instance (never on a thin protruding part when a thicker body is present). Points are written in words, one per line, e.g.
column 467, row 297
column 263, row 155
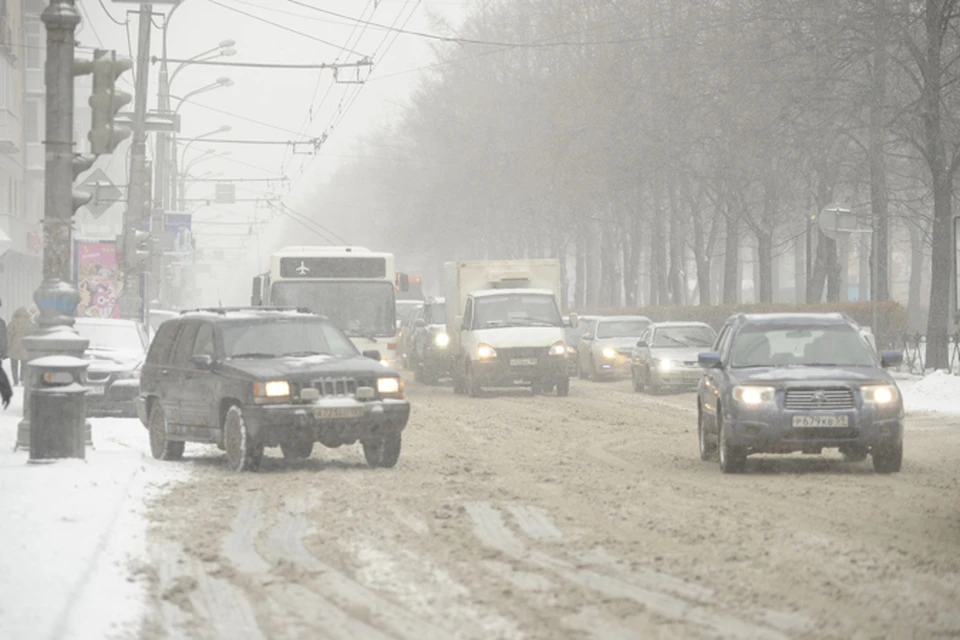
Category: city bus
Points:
column 355, row 287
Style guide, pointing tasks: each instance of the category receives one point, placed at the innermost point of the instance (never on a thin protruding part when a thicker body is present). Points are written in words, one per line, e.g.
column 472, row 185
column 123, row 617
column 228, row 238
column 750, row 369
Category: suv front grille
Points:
column 340, row 387
column 98, row 376
column 836, row 399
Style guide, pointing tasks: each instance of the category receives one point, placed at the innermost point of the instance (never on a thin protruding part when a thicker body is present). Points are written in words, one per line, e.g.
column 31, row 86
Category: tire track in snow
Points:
column 490, row 528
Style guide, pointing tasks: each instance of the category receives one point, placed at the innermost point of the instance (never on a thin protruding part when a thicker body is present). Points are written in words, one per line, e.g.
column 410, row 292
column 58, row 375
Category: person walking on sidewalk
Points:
column 21, row 326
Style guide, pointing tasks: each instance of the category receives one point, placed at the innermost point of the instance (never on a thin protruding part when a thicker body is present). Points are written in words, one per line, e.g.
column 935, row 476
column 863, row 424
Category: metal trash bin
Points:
column 58, row 407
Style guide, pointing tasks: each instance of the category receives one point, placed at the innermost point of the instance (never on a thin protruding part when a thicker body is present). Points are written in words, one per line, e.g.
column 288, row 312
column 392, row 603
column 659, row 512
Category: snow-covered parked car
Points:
column 116, row 353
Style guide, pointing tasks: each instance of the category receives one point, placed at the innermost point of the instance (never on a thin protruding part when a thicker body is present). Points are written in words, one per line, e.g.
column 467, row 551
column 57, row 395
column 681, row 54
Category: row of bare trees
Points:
column 653, row 143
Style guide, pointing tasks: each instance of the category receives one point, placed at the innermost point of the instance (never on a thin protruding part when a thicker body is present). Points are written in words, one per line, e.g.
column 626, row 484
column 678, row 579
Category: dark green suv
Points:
column 246, row 379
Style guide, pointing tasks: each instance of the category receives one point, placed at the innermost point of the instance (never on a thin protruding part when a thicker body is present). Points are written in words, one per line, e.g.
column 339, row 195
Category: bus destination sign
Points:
column 333, row 267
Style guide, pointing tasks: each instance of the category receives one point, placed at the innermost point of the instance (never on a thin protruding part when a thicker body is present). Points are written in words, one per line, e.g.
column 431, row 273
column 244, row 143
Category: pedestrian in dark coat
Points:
column 6, row 391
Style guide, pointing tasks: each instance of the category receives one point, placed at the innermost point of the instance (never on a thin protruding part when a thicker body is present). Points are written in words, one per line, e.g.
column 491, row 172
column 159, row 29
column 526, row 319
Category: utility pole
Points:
column 135, row 237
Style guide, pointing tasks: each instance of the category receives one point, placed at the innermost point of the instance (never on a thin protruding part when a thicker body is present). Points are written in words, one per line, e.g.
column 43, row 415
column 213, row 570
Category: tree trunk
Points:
column 579, row 289
column 675, row 278
column 765, row 267
column 700, row 254
column 863, row 280
column 731, row 260
column 914, row 312
column 799, row 271
column 875, row 148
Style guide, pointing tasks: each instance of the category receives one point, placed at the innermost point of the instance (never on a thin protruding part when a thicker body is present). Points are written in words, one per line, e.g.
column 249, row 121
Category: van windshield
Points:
column 516, row 310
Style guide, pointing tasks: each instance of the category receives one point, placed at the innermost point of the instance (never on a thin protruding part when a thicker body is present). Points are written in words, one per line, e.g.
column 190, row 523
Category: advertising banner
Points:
column 98, row 278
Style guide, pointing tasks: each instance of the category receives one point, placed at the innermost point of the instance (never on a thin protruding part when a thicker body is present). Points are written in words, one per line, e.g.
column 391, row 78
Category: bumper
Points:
column 116, row 399
column 679, row 376
column 617, row 366
column 772, row 431
column 331, row 423
column 439, row 363
column 500, row 373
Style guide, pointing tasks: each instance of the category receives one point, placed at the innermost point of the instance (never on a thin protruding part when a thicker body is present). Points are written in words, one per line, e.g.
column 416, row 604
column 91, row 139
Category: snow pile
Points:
column 937, row 392
column 72, row 533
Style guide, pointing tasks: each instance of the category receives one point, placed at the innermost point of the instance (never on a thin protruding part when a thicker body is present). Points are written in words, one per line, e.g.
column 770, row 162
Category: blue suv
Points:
column 780, row 383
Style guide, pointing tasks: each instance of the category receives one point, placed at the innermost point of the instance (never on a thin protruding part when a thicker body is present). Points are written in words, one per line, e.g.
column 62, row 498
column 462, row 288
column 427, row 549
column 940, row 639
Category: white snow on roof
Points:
column 500, row 292
column 602, row 319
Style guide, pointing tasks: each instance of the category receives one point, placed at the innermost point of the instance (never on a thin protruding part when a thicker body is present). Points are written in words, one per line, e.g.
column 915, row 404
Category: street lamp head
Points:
column 228, row 51
column 225, row 128
column 225, row 82
column 227, row 43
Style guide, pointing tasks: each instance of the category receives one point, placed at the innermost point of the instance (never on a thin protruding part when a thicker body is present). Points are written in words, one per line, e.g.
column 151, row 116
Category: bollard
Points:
column 57, row 408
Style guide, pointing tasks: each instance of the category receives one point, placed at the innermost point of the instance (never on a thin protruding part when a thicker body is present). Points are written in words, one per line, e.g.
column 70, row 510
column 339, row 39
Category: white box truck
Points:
column 505, row 325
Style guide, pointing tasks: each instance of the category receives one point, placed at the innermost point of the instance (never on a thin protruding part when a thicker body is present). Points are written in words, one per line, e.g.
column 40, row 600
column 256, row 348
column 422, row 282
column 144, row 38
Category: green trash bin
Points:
column 57, row 407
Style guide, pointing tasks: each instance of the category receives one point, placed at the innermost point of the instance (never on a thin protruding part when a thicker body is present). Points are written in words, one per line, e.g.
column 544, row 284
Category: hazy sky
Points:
column 280, row 105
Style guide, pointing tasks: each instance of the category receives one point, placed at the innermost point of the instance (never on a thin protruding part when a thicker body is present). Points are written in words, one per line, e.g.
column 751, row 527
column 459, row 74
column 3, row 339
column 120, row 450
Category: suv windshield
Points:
column 280, row 337
column 406, row 309
column 359, row 308
column 517, row 310
column 801, row 345
column 435, row 313
column 622, row 328
column 679, row 337
column 112, row 337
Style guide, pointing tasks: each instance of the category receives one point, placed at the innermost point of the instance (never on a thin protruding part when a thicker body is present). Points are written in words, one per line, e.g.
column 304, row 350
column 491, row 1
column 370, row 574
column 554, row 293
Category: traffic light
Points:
column 80, row 164
column 138, row 251
column 106, row 101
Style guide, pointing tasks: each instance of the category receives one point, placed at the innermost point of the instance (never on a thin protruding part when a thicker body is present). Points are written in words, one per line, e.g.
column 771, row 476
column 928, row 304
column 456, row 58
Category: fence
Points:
column 914, row 348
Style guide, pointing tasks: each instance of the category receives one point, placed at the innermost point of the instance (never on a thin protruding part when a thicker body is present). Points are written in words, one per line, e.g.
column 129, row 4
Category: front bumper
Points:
column 330, row 422
column 499, row 372
column 115, row 399
column 437, row 361
column 679, row 376
column 772, row 430
column 619, row 365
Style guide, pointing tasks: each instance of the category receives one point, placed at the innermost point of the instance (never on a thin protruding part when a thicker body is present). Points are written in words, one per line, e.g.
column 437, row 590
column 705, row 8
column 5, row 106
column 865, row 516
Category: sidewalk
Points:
column 72, row 532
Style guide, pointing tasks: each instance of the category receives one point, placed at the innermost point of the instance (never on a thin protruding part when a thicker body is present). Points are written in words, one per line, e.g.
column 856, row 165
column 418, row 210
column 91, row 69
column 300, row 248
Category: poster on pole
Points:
column 98, row 278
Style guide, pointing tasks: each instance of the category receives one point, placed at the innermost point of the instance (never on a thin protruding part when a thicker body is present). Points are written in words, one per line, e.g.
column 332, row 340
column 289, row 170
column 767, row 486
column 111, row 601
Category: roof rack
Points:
column 225, row 310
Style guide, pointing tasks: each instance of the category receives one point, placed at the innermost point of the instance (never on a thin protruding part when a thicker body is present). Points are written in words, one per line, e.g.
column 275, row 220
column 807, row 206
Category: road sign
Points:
column 105, row 193
column 226, row 193
column 834, row 220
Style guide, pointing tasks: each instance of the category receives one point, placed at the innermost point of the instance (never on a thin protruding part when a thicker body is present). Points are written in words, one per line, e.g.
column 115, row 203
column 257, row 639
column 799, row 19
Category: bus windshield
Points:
column 358, row 308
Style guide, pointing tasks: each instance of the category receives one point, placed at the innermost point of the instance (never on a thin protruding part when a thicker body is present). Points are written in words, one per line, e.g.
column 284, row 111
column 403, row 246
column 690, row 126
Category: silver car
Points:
column 666, row 355
column 606, row 345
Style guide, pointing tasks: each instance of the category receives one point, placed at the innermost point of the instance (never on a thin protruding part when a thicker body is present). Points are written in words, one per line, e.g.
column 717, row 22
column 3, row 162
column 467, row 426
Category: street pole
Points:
column 131, row 304
column 56, row 297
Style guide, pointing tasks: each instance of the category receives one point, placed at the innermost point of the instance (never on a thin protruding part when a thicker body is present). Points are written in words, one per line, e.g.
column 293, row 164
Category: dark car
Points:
column 246, row 379
column 430, row 357
column 116, row 353
column 780, row 383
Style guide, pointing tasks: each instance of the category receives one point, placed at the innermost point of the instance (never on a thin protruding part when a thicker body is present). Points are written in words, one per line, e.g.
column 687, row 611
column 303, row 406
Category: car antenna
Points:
column 219, row 301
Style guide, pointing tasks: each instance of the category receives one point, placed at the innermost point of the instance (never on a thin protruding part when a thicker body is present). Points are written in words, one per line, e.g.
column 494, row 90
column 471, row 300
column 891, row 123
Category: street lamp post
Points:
column 183, row 156
column 220, row 83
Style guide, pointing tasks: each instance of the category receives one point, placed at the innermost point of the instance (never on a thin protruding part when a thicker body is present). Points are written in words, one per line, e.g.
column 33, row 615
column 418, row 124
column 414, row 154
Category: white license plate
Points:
column 328, row 413
column 96, row 391
column 523, row 362
column 820, row 421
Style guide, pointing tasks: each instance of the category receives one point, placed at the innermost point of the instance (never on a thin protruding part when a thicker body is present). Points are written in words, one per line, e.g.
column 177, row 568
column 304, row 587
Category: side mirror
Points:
column 574, row 320
column 891, row 359
column 420, row 323
column 373, row 354
column 202, row 361
column 403, row 282
column 710, row 360
column 642, row 344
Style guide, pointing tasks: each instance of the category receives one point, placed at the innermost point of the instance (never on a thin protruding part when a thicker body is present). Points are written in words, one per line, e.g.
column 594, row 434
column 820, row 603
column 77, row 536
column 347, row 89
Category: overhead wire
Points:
column 109, row 15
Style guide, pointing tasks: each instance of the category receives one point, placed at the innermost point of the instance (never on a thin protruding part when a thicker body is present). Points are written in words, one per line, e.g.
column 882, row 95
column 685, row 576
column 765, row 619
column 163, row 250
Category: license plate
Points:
column 820, row 421
column 523, row 362
column 329, row 413
column 96, row 391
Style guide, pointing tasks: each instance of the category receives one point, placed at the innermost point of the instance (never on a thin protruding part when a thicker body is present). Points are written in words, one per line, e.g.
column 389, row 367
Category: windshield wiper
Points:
column 253, row 354
column 360, row 334
column 304, row 354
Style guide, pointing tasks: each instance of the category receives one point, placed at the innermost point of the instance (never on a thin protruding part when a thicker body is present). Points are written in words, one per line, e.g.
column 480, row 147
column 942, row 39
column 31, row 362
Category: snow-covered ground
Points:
column 937, row 392
column 73, row 531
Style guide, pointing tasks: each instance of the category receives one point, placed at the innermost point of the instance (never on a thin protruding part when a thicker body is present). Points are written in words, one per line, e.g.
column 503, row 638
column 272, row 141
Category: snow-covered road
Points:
column 509, row 516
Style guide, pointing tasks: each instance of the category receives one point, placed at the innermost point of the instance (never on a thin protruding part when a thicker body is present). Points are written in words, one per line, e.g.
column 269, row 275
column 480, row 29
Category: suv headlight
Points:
column 272, row 391
column 559, row 348
column 752, row 395
column 485, row 352
column 666, row 365
column 441, row 339
column 880, row 393
column 390, row 387
column 609, row 353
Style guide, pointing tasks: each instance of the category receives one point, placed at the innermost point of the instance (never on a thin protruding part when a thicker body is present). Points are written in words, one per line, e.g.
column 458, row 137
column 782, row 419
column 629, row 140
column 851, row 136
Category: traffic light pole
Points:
column 138, row 196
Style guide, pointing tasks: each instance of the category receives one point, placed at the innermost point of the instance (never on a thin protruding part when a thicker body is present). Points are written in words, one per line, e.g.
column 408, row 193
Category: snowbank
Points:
column 937, row 392
column 72, row 533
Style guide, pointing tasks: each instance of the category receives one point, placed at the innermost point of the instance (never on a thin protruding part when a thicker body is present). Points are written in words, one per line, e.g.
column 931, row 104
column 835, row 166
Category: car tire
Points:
column 854, row 453
column 638, row 385
column 160, row 446
column 297, row 450
column 733, row 459
column 457, row 379
column 243, row 452
column 888, row 458
column 563, row 387
column 384, row 452
column 708, row 450
column 473, row 385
